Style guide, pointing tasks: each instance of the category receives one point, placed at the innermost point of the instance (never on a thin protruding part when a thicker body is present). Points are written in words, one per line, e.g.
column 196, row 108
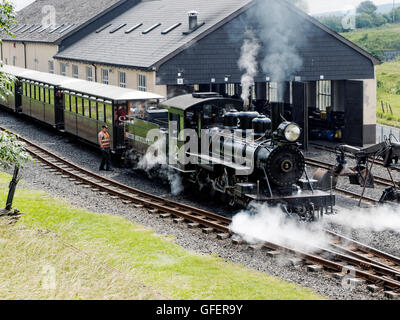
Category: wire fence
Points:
column 383, row 131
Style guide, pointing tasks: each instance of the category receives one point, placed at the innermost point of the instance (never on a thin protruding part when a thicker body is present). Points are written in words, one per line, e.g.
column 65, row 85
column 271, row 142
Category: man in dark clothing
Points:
column 105, row 145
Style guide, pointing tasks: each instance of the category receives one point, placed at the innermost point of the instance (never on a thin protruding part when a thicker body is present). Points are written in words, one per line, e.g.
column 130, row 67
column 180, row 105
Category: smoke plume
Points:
column 156, row 159
column 372, row 219
column 262, row 223
column 248, row 62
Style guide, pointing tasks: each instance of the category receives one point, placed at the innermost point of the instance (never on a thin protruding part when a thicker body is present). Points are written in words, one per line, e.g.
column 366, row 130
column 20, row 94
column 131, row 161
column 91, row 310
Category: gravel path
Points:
column 36, row 177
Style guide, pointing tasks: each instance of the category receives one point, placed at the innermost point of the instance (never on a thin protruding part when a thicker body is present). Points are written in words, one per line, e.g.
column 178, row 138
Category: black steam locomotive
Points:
column 215, row 145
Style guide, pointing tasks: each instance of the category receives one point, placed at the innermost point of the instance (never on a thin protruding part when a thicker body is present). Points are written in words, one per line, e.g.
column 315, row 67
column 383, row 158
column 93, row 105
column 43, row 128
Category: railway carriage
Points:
column 71, row 105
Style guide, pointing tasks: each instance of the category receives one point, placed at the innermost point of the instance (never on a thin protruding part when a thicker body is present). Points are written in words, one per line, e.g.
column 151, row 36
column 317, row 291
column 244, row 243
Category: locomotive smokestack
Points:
column 193, row 19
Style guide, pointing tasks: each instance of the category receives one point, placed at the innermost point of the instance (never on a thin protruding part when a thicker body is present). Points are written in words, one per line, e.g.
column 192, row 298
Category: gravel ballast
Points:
column 36, row 177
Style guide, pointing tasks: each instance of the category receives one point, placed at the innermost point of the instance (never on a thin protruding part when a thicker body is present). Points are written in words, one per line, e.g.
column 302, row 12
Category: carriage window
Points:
column 86, row 108
column 37, row 93
column 67, row 102
column 109, row 113
column 101, row 111
column 73, row 103
column 42, row 94
column 28, row 90
column 32, row 91
column 47, row 93
column 52, row 96
column 93, row 109
column 24, row 89
column 79, row 105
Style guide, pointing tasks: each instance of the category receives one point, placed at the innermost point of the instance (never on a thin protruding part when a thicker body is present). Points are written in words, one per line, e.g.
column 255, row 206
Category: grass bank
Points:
column 388, row 91
column 38, row 264
column 376, row 40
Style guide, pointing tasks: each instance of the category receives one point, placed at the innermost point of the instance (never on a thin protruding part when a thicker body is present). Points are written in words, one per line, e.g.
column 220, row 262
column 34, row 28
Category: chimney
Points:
column 193, row 19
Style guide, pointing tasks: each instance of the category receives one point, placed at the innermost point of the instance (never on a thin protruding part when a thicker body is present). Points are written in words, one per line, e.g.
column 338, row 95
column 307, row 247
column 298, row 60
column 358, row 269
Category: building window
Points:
column 6, row 60
column 142, row 82
column 63, row 68
column 122, row 79
column 230, row 89
column 104, row 77
column 14, row 60
column 89, row 74
column 51, row 66
column 324, row 95
column 273, row 92
column 75, row 71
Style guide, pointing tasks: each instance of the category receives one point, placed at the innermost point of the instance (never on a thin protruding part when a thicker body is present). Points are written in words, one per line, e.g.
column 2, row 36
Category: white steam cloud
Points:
column 156, row 158
column 262, row 223
column 282, row 35
column 373, row 219
column 248, row 62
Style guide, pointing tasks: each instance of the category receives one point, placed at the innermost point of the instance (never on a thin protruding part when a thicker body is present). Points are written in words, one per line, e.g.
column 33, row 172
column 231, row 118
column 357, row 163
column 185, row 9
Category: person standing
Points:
column 105, row 145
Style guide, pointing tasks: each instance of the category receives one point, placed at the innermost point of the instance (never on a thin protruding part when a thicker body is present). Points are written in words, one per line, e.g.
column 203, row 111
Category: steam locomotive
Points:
column 222, row 149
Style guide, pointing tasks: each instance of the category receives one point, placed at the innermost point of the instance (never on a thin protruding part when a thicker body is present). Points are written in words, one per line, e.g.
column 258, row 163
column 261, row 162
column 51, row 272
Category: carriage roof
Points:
column 87, row 87
column 187, row 101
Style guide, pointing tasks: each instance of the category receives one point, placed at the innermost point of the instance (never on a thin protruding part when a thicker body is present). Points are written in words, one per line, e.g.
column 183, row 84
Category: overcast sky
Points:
column 316, row 6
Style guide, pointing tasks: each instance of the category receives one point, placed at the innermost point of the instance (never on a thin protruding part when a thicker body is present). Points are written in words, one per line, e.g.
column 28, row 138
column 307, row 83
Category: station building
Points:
column 172, row 47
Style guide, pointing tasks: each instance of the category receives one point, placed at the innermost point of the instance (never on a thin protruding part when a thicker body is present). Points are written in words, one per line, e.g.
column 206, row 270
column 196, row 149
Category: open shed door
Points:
column 354, row 113
column 300, row 111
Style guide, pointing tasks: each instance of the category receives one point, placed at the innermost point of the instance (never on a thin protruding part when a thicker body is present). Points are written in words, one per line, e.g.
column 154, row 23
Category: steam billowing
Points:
column 273, row 36
column 156, row 159
column 373, row 219
column 262, row 223
column 248, row 62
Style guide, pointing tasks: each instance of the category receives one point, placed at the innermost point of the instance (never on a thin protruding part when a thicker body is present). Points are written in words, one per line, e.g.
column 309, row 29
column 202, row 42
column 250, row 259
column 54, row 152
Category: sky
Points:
column 315, row 6
column 319, row 6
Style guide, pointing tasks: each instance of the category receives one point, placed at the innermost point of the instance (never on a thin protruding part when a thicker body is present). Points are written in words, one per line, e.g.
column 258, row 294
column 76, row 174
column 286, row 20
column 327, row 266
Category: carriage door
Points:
column 57, row 96
column 300, row 111
column 354, row 113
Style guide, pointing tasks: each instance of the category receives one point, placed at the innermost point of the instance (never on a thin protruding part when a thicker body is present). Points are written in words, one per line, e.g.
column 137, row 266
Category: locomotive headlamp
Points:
column 290, row 131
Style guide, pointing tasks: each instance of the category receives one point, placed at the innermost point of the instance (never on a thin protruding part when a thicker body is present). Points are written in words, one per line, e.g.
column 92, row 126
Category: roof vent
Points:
column 193, row 19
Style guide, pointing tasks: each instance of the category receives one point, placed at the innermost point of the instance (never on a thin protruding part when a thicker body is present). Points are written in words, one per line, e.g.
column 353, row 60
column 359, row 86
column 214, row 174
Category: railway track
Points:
column 342, row 256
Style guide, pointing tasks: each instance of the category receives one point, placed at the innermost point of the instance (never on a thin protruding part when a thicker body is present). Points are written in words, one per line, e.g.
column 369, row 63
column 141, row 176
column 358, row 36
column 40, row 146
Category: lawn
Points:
column 375, row 41
column 388, row 91
column 116, row 259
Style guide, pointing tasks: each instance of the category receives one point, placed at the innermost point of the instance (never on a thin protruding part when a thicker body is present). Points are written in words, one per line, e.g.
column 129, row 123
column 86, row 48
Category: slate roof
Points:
column 72, row 13
column 135, row 49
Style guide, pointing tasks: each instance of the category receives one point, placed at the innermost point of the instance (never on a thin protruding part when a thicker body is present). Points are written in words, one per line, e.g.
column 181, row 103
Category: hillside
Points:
column 376, row 40
column 388, row 75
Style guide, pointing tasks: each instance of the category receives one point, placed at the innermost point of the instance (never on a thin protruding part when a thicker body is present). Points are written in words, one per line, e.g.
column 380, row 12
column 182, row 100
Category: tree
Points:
column 12, row 152
column 7, row 19
column 367, row 7
column 364, row 21
column 334, row 23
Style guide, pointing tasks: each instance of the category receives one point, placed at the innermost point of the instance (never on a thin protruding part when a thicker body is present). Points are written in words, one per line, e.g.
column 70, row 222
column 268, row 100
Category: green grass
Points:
column 388, row 91
column 376, row 40
column 152, row 260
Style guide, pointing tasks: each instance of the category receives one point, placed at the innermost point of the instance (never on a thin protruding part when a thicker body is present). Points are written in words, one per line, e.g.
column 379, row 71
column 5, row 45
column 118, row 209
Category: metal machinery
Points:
column 238, row 157
column 366, row 158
